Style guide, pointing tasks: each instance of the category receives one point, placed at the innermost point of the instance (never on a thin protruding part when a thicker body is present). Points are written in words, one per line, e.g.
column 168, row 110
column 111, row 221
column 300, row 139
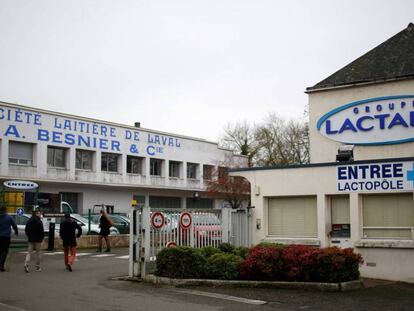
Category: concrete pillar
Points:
column 71, row 163
column 147, row 170
column 355, row 205
column 165, row 171
column 323, row 219
column 4, row 169
column 40, row 159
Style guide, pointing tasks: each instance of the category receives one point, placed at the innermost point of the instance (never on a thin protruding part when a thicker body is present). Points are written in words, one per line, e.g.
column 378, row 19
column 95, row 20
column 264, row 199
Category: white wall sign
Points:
column 393, row 176
column 375, row 121
column 20, row 184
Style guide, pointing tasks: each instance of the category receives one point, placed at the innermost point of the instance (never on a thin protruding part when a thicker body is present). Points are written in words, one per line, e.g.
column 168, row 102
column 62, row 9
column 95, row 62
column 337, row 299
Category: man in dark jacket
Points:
column 68, row 234
column 5, row 232
column 35, row 234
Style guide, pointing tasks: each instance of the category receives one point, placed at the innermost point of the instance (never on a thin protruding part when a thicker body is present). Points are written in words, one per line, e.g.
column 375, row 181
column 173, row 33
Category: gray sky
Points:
column 185, row 67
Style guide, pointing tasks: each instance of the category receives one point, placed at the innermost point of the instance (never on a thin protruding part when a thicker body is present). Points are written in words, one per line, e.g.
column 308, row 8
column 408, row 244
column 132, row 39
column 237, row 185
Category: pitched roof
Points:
column 392, row 59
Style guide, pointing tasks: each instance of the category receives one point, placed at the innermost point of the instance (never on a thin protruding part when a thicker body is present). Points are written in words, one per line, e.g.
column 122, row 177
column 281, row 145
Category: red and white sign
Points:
column 186, row 220
column 157, row 220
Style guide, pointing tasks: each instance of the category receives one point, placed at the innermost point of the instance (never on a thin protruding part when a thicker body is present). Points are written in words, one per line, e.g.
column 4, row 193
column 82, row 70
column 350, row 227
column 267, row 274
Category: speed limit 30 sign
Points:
column 157, row 220
column 186, row 220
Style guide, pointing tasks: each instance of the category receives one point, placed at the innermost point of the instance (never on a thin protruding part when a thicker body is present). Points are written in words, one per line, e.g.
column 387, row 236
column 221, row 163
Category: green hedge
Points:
column 270, row 262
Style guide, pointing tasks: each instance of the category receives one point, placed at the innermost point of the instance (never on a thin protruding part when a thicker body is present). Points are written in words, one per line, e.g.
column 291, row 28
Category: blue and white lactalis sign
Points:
column 392, row 176
column 374, row 121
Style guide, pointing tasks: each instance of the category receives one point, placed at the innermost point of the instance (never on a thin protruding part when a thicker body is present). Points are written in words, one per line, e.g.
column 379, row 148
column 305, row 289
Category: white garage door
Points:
column 292, row 217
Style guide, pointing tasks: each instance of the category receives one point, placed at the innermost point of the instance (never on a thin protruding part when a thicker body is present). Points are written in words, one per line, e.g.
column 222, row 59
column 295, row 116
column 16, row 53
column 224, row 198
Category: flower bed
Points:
column 266, row 262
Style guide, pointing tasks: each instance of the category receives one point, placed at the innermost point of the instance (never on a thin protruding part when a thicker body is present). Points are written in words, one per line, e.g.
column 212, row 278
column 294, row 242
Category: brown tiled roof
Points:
column 392, row 59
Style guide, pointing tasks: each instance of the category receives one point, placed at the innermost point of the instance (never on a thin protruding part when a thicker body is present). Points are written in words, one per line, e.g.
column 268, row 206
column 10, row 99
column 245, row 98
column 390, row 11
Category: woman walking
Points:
column 104, row 223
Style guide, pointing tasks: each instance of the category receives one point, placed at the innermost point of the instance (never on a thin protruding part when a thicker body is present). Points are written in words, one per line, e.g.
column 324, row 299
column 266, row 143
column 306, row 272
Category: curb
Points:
column 324, row 287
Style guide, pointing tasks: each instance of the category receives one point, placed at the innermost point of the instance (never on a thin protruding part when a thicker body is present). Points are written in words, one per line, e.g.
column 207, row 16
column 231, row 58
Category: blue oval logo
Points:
column 374, row 121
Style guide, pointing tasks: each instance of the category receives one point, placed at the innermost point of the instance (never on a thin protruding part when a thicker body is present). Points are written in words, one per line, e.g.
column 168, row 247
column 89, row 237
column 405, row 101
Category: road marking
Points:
column 11, row 307
column 225, row 297
column 83, row 254
column 103, row 255
column 123, row 257
column 51, row 254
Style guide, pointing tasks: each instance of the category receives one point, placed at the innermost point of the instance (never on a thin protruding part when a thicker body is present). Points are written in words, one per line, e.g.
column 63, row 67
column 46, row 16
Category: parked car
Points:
column 207, row 230
column 83, row 222
column 119, row 222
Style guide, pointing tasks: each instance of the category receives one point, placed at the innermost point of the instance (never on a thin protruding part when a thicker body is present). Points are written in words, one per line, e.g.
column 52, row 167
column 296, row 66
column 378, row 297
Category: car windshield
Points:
column 79, row 218
column 206, row 219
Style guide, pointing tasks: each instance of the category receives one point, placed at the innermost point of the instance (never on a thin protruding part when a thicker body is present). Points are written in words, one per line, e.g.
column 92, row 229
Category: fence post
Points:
column 145, row 242
column 192, row 242
column 225, row 219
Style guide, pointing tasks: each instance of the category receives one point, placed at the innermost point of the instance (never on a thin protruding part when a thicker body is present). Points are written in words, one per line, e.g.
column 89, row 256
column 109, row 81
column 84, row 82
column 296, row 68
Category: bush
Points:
column 262, row 263
column 208, row 251
column 223, row 266
column 241, row 251
column 301, row 263
column 180, row 262
column 226, row 248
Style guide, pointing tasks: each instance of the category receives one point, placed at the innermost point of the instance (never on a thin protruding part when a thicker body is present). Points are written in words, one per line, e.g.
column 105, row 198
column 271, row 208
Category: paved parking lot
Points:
column 94, row 285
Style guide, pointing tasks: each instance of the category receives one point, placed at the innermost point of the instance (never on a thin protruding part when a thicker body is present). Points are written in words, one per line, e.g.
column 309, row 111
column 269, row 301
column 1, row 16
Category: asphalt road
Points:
column 94, row 284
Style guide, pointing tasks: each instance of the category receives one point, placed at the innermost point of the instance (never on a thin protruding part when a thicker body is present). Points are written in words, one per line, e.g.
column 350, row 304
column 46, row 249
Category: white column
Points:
column 147, row 171
column 40, row 159
column 123, row 166
column 323, row 221
column 166, row 172
column 355, row 207
column 183, row 202
column 184, row 175
column 71, row 163
column 4, row 156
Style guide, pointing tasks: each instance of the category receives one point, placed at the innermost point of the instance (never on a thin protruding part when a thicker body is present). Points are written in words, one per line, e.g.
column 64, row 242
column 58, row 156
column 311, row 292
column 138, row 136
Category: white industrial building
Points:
column 88, row 162
column 357, row 190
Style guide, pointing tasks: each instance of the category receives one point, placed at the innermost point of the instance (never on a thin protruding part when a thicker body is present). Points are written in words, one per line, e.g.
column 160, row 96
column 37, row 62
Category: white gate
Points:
column 207, row 228
column 241, row 229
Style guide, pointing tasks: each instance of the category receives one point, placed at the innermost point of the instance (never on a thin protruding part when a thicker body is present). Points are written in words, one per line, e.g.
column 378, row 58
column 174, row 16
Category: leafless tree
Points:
column 240, row 137
column 273, row 142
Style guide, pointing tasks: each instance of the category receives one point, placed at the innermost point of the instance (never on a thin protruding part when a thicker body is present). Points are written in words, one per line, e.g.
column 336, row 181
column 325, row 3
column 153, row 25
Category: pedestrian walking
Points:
column 35, row 234
column 6, row 222
column 105, row 224
column 68, row 234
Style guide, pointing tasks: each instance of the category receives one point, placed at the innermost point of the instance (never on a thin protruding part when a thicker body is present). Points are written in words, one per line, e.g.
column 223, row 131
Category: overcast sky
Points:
column 184, row 67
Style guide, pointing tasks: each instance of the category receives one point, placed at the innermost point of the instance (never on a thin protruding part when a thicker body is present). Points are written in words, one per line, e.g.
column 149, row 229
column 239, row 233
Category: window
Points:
column 200, row 203
column 175, row 169
column 292, row 217
column 134, row 165
column 109, row 162
column 165, row 202
column 388, row 216
column 207, row 172
column 192, row 170
column 20, row 153
column 56, row 157
column 155, row 167
column 84, row 159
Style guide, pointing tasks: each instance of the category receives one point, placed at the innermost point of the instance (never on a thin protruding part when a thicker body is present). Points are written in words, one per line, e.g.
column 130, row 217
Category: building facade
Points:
column 88, row 162
column 357, row 190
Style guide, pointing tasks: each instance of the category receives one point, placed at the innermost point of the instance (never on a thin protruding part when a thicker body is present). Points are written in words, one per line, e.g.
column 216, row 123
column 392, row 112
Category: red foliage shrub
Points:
column 262, row 263
column 301, row 263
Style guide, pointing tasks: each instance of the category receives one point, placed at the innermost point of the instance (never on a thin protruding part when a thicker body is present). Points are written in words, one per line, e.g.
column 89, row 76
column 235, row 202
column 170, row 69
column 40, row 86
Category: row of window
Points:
column 384, row 216
column 22, row 153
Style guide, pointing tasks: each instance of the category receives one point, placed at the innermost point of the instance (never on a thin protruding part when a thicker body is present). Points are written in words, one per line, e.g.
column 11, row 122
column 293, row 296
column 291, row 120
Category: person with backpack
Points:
column 105, row 224
column 35, row 234
column 68, row 234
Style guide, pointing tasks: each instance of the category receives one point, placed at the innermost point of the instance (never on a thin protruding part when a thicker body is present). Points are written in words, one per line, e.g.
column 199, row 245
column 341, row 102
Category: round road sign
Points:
column 20, row 212
column 157, row 220
column 186, row 220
